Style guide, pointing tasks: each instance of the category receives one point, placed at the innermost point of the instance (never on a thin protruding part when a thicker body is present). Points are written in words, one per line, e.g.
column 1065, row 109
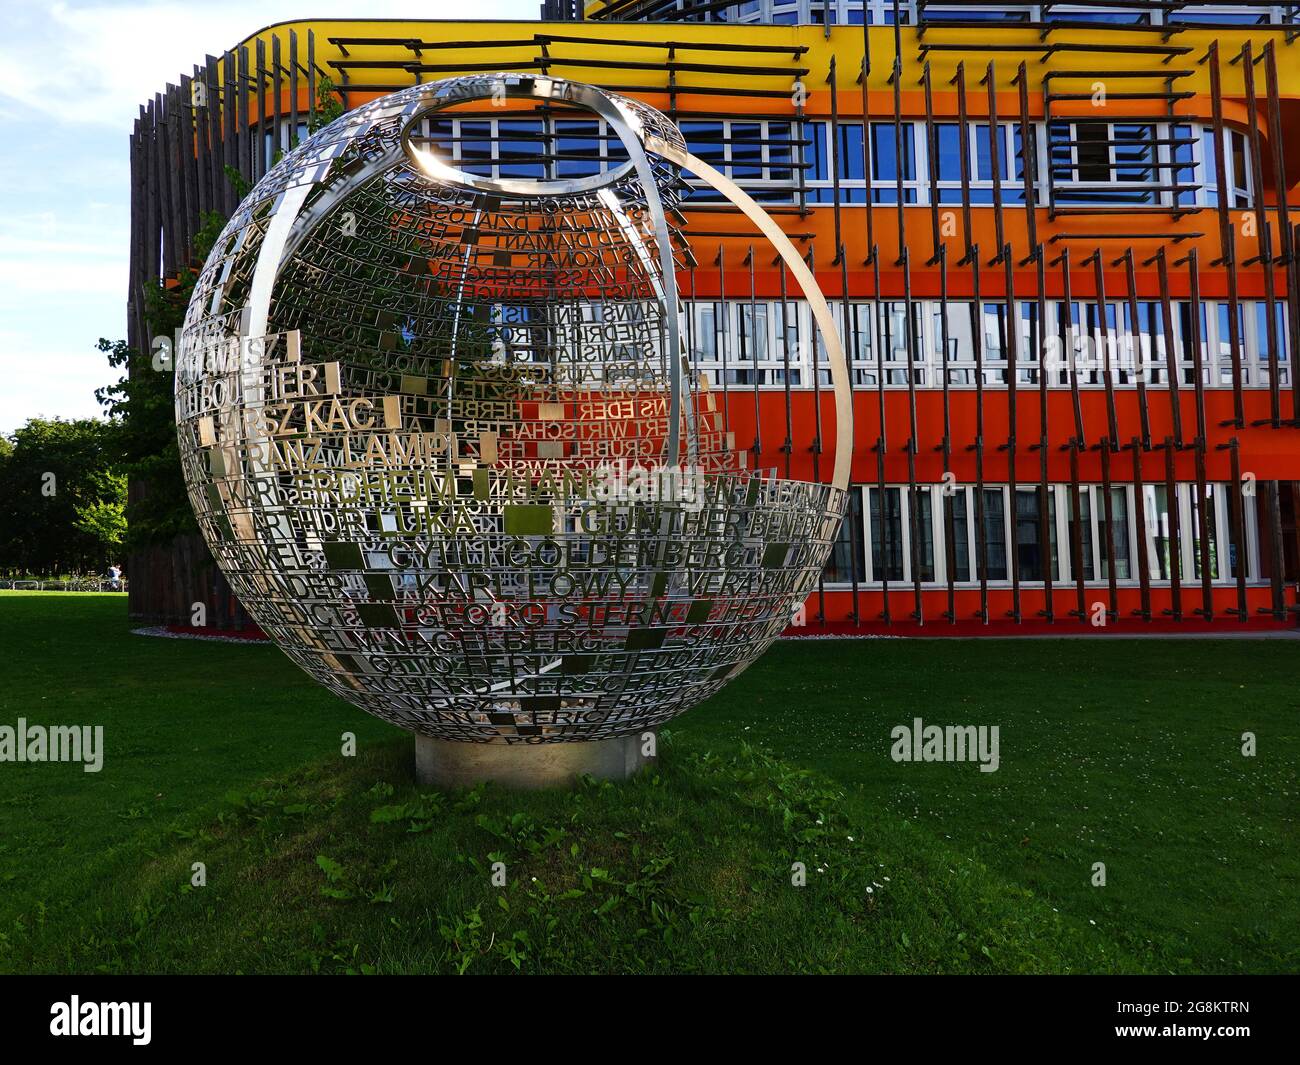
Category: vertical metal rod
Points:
column 909, row 332
column 1203, row 504
column 176, row 214
column 1227, row 236
column 1237, row 516
column 1265, row 239
column 750, row 339
column 977, row 341
column 293, row 87
column 918, row 613
column 786, row 306
column 852, row 349
column 1287, row 236
column 277, row 99
column 1198, row 354
column 1109, row 518
column 1293, row 341
column 1076, row 536
column 1012, row 342
column 163, row 162
column 260, row 162
column 228, row 108
column 817, row 389
column 1107, row 376
column 881, row 438
column 1044, row 485
column 932, row 162
column 896, row 77
column 311, row 77
column 1028, row 160
column 950, row 549
column 950, row 556
column 1273, row 513
column 1140, row 524
column 1140, row 357
column 216, row 182
column 878, row 317
column 1172, row 367
column 835, row 164
column 245, row 117
column 882, row 534
column 944, row 342
column 1175, row 533
column 1068, row 346
column 202, row 166
column 866, row 136
column 189, row 220
column 963, row 156
column 722, row 325
column 188, row 119
column 995, row 160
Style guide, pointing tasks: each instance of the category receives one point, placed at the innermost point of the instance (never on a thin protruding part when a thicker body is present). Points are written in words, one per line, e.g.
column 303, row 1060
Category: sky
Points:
column 72, row 78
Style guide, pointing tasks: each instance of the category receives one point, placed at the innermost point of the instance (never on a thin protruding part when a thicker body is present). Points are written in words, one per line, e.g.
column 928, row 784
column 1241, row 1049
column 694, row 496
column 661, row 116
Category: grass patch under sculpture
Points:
column 1121, row 752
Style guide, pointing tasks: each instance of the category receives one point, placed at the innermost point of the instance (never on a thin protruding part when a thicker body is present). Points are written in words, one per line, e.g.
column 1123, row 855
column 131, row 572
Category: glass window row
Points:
column 882, row 12
column 770, row 343
column 780, row 160
column 1037, row 534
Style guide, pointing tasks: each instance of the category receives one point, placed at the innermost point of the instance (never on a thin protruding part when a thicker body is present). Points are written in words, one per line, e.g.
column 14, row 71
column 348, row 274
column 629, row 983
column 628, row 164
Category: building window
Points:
column 893, row 152
column 961, row 543
column 1034, row 550
column 882, row 12
column 767, row 338
column 1118, row 534
column 1105, row 163
column 582, row 148
column 886, row 526
column 922, row 510
column 1197, row 504
column 846, row 563
column 758, row 155
column 895, row 514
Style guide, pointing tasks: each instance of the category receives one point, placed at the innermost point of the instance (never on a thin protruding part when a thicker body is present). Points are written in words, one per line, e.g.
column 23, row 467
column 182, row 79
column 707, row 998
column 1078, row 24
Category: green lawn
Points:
column 1121, row 752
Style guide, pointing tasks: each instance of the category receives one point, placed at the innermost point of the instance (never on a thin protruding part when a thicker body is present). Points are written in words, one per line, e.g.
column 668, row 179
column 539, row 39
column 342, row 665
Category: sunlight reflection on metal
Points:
column 430, row 421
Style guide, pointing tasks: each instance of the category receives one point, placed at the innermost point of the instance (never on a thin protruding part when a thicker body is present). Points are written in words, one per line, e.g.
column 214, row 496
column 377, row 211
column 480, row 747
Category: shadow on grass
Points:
column 689, row 868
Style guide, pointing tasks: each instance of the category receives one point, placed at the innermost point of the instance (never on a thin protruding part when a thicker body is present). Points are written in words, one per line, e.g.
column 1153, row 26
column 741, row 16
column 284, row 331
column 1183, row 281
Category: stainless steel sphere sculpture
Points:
column 440, row 435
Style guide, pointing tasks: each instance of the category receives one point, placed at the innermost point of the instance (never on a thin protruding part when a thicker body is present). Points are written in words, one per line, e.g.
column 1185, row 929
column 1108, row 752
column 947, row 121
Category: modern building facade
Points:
column 1057, row 239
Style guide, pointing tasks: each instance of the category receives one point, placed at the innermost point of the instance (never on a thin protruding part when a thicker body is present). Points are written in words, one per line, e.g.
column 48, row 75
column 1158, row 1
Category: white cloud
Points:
column 39, row 383
column 72, row 78
column 96, row 63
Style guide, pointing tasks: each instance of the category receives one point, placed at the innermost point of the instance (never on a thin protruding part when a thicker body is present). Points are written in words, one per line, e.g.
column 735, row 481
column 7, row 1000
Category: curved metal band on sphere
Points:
column 441, row 434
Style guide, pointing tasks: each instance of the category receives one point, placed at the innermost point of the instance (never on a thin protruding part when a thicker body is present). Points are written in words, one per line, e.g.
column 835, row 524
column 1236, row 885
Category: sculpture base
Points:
column 530, row 767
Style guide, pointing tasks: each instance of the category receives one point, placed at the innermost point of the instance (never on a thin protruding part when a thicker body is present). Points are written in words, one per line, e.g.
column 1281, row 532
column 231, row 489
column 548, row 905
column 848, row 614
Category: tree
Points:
column 143, row 406
column 59, row 492
column 329, row 105
column 103, row 518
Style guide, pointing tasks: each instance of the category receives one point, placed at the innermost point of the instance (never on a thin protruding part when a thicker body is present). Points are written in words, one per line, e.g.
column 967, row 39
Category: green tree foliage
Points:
column 238, row 182
column 142, row 406
column 329, row 105
column 104, row 518
column 62, row 501
column 142, row 402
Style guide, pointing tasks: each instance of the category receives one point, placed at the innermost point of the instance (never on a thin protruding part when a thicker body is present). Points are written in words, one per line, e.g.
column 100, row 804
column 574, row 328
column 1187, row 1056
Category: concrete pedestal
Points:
column 530, row 767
